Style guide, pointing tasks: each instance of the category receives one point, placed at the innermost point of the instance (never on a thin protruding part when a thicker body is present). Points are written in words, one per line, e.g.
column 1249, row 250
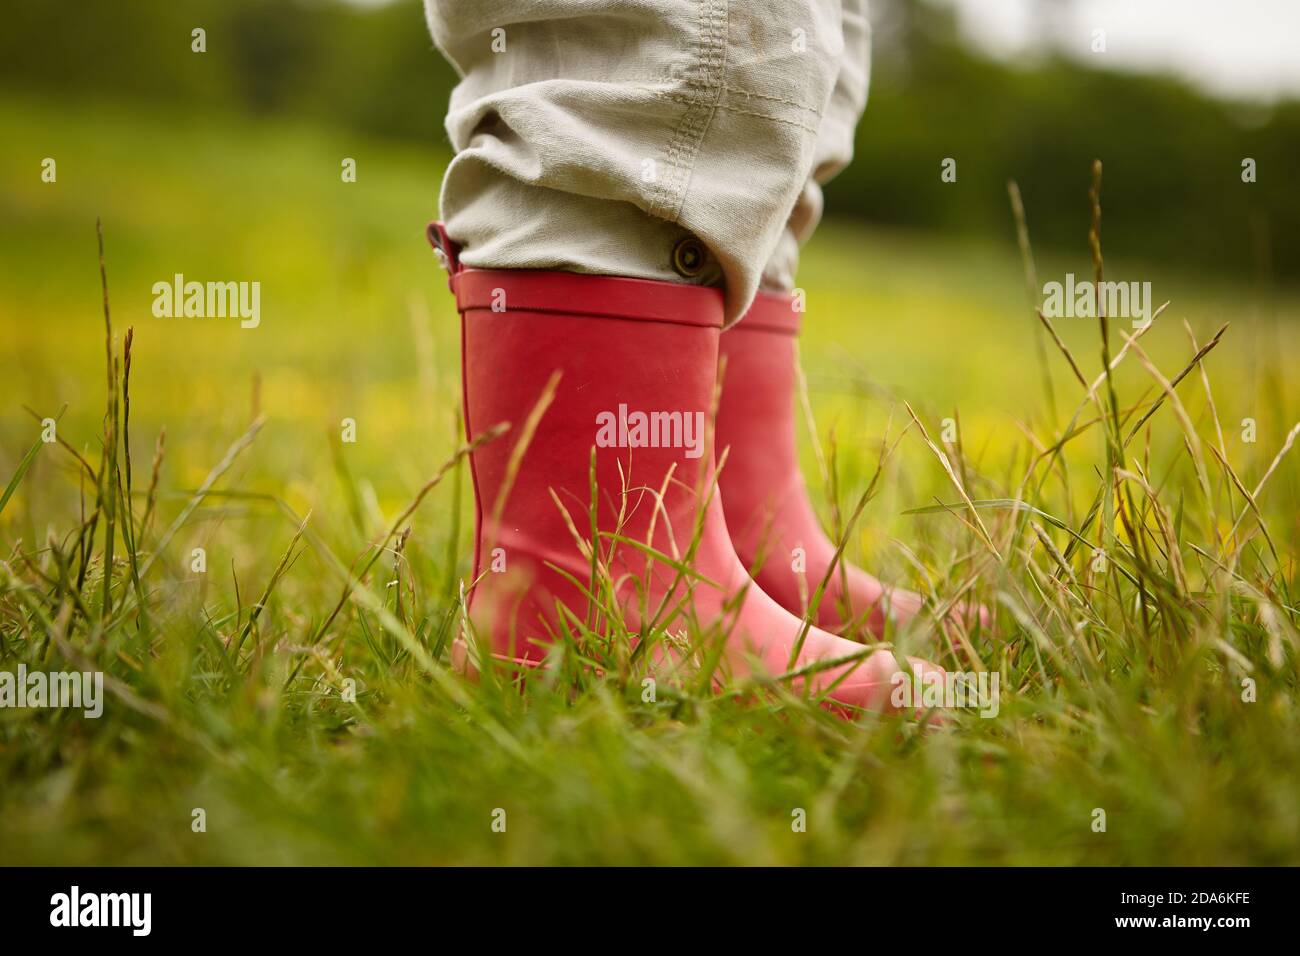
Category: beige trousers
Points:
column 682, row 140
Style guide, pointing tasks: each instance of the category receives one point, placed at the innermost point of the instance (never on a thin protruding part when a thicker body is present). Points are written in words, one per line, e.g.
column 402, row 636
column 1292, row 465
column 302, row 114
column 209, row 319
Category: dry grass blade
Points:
column 63, row 443
column 1131, row 341
column 886, row 450
column 1165, row 524
column 285, row 563
column 805, row 405
column 108, row 473
column 19, row 472
column 196, row 499
column 1064, row 349
column 155, row 473
column 1253, row 497
column 1209, row 392
column 124, row 492
column 1031, row 289
column 520, row 448
column 956, row 481
column 353, row 581
column 1173, row 383
column 1185, row 420
column 1046, row 541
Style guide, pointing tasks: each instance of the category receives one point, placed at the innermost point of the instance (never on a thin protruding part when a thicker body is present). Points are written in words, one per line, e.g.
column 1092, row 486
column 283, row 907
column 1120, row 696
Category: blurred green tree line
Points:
column 1173, row 156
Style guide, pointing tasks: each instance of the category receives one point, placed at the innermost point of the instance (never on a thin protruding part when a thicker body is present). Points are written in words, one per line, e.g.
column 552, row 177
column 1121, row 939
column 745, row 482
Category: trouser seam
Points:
column 768, row 116
column 788, row 101
column 709, row 78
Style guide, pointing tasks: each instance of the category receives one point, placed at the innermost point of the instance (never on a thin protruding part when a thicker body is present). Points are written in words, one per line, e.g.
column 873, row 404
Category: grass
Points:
column 227, row 686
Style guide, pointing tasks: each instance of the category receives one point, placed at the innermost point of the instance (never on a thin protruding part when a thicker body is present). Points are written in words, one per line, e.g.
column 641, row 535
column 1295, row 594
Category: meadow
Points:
column 295, row 690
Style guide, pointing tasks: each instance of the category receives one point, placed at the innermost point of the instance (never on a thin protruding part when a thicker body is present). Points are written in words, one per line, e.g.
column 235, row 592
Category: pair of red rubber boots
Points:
column 613, row 497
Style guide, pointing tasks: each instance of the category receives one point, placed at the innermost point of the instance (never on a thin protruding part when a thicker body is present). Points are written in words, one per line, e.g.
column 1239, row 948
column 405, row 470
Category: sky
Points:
column 1233, row 48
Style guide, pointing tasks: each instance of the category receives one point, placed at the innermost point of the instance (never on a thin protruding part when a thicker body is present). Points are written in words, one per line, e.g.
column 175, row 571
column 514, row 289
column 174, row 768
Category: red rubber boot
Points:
column 623, row 348
column 766, row 502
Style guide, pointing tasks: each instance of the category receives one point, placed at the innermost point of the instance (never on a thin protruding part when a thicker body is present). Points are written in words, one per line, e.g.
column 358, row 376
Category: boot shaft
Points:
column 636, row 362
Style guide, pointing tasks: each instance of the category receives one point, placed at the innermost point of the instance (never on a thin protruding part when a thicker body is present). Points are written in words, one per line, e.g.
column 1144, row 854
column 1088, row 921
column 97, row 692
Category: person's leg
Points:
column 602, row 137
column 552, row 137
column 769, row 513
column 833, row 147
